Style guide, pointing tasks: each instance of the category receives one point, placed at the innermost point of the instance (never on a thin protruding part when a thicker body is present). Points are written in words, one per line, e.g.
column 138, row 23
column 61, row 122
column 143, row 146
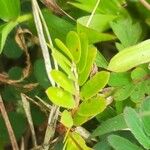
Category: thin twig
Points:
column 26, row 106
column 53, row 116
column 47, row 34
column 8, row 125
column 42, row 40
column 145, row 4
column 93, row 12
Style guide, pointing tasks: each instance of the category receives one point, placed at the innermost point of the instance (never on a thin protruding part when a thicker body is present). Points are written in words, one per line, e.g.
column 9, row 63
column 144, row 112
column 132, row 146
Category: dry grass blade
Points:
column 8, row 125
column 145, row 4
column 26, row 106
column 55, row 110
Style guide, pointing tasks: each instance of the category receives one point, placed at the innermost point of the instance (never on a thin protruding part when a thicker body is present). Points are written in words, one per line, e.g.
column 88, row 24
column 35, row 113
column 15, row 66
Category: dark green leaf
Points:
column 128, row 33
column 145, row 115
column 40, row 73
column 5, row 29
column 135, row 125
column 15, row 73
column 120, row 143
column 111, row 125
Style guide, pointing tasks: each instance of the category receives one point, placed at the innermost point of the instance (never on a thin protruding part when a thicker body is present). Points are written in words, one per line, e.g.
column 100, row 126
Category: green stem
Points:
column 24, row 18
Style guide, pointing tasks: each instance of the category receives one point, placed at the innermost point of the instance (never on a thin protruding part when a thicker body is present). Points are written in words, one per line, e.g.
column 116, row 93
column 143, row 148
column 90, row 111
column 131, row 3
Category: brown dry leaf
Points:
column 20, row 38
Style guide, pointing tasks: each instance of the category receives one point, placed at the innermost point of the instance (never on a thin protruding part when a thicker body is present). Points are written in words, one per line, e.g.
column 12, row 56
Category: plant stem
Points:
column 8, row 125
column 53, row 116
column 93, row 12
column 24, row 18
column 145, row 4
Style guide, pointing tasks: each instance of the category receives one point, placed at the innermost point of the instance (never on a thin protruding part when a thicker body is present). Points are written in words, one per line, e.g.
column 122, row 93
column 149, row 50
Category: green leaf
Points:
column 95, row 84
column 76, row 142
column 103, row 144
column 78, row 120
column 130, row 57
column 138, row 93
column 18, row 123
column 62, row 80
column 111, row 125
column 37, row 121
column 5, row 29
column 120, row 143
column 66, row 119
column 58, row 26
column 83, row 76
column 101, row 61
column 9, row 9
column 138, row 73
column 92, row 107
column 60, row 97
column 100, row 22
column 113, row 7
column 15, row 73
column 135, row 125
column 73, row 44
column 128, row 36
column 84, row 52
column 147, row 87
column 123, row 92
column 59, row 56
column 63, row 63
column 145, row 115
column 40, row 73
column 63, row 48
column 119, row 79
column 93, row 35
column 11, row 49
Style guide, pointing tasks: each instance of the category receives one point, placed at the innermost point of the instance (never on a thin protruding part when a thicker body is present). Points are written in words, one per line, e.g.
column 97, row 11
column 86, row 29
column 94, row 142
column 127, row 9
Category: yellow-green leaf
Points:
column 60, row 97
column 84, row 52
column 95, row 84
column 66, row 119
column 62, row 80
column 73, row 44
column 83, row 76
column 76, row 142
column 78, row 120
column 63, row 48
column 64, row 65
column 58, row 55
column 92, row 107
column 130, row 57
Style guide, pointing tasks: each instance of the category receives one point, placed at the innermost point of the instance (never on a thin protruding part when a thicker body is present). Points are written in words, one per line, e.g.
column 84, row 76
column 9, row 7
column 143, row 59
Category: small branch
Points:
column 93, row 12
column 42, row 40
column 26, row 106
column 8, row 125
column 50, row 131
column 53, row 116
column 145, row 4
